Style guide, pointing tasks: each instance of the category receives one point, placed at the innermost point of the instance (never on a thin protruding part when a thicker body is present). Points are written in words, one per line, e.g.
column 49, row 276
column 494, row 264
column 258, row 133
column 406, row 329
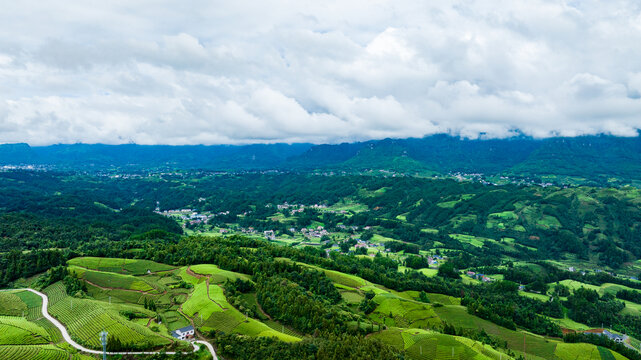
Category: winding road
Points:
column 67, row 337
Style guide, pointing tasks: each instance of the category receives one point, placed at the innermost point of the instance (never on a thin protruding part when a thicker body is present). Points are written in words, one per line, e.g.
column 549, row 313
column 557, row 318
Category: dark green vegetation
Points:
column 363, row 275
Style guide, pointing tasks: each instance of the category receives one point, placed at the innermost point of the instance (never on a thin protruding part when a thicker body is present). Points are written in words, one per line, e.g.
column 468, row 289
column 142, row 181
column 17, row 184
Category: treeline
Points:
column 289, row 303
column 500, row 303
column 630, row 295
column 327, row 346
column 586, row 306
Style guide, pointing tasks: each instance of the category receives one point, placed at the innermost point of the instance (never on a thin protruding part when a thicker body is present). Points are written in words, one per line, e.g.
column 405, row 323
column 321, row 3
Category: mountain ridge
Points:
column 589, row 157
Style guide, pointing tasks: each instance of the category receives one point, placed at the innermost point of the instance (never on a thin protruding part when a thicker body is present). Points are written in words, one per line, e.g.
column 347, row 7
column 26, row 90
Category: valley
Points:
column 300, row 265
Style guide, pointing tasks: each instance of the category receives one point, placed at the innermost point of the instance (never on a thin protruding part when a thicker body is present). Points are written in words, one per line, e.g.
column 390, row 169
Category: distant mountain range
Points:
column 591, row 157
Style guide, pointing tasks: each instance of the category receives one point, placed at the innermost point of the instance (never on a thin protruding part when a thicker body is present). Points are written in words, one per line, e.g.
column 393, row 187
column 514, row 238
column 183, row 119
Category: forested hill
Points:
column 132, row 156
column 591, row 157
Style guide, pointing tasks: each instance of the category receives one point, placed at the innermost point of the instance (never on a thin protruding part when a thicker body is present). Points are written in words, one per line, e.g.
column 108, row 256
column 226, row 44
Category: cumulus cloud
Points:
column 203, row 72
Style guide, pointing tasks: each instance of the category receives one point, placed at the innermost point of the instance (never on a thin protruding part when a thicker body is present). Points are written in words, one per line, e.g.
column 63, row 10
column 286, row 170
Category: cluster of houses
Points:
column 433, row 260
column 479, row 276
column 343, row 227
column 369, row 245
column 583, row 272
column 189, row 215
column 317, row 232
column 297, row 208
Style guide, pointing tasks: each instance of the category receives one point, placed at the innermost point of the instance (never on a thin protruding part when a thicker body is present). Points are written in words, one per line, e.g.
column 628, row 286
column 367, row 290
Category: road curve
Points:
column 67, row 337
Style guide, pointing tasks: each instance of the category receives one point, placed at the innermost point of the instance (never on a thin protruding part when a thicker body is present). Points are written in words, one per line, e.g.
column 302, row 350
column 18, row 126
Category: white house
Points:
column 184, row 333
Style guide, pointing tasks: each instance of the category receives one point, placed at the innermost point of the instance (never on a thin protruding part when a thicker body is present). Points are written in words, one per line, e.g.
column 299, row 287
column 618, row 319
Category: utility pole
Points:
column 103, row 341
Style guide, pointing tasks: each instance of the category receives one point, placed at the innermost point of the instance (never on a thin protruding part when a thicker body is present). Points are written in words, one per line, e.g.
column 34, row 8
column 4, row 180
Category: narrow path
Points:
column 209, row 297
column 67, row 337
column 260, row 308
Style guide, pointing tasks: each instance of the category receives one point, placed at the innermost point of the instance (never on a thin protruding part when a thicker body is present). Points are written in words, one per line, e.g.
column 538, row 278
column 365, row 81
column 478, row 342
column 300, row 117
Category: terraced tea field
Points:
column 427, row 345
column 211, row 311
column 42, row 352
column 395, row 311
column 86, row 318
column 21, row 322
column 122, row 266
column 115, row 281
column 217, row 275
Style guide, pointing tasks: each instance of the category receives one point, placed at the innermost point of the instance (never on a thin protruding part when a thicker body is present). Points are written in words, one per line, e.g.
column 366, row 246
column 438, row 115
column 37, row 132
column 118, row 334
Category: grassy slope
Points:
column 213, row 312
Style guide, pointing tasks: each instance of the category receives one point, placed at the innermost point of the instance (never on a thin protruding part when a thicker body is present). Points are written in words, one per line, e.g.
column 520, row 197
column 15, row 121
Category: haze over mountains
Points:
column 591, row 157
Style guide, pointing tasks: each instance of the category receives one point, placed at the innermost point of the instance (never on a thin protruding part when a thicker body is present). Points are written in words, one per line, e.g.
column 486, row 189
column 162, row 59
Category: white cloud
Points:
column 242, row 72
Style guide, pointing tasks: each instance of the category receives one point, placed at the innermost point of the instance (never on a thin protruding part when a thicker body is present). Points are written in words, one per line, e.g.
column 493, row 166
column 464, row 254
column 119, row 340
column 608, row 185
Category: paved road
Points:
column 67, row 337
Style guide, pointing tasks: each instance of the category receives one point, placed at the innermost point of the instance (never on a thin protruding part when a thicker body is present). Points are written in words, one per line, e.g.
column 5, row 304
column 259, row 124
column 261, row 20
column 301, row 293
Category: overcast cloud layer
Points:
column 211, row 72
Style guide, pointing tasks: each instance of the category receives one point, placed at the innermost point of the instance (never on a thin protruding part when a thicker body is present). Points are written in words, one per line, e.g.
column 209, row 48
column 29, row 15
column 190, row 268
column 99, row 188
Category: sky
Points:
column 238, row 72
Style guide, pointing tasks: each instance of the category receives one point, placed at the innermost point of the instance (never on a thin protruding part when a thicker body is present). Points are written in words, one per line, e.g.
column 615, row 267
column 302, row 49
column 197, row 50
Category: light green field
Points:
column 393, row 310
column 216, row 274
column 448, row 204
column 607, row 288
column 213, row 312
column 39, row 352
column 428, row 345
column 347, row 205
column 377, row 238
column 443, row 299
column 117, row 265
column 470, row 239
column 566, row 351
column 115, row 281
column 534, row 296
column 352, row 297
column 374, row 289
column 174, row 320
column 548, row 221
column 505, row 215
column 430, row 231
column 21, row 321
column 345, row 279
column 11, row 304
column 428, row 272
column 537, row 347
column 187, row 277
column 199, row 303
column 571, row 324
column 457, row 220
column 19, row 331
